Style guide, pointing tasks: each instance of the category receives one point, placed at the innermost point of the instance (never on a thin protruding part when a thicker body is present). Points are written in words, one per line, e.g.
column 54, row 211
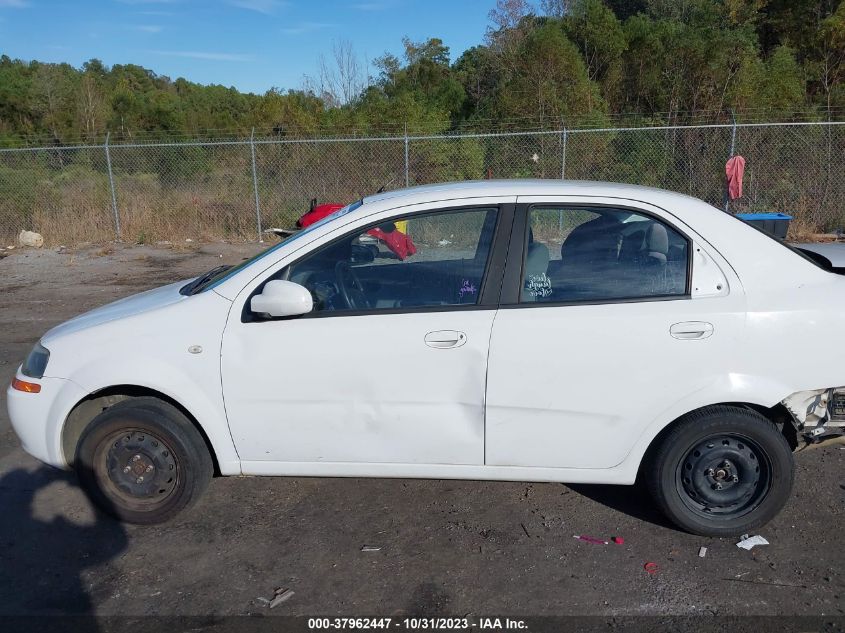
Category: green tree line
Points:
column 542, row 64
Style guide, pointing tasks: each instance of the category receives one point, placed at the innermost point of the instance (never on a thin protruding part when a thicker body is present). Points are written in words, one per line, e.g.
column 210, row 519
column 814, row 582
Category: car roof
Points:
column 515, row 187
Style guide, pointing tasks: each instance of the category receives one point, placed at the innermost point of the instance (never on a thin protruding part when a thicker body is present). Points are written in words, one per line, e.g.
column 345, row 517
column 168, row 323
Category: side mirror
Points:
column 282, row 299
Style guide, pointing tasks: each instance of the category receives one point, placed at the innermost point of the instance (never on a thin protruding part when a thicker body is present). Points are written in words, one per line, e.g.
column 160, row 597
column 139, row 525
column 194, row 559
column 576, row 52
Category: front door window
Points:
column 435, row 259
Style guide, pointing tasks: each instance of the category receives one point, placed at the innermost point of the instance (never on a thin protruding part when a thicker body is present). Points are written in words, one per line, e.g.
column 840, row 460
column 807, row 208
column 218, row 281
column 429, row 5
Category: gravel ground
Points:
column 452, row 547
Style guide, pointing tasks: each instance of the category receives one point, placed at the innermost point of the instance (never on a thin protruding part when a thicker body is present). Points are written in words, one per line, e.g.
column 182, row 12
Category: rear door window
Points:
column 601, row 254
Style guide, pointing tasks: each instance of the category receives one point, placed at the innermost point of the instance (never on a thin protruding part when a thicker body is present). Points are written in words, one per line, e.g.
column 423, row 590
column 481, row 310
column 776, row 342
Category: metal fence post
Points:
column 111, row 187
column 563, row 138
column 733, row 149
column 407, row 161
column 255, row 187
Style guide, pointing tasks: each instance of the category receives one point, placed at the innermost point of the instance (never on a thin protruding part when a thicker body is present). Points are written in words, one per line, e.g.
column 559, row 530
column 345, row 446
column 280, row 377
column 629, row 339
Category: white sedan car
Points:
column 531, row 330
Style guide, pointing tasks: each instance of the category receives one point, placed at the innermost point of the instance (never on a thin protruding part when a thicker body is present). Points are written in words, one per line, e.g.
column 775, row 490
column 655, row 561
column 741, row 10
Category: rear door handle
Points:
column 691, row 330
column 445, row 339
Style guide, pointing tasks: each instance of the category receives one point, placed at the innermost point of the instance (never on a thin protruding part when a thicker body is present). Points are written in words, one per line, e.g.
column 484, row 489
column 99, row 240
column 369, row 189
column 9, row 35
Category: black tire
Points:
column 721, row 471
column 143, row 461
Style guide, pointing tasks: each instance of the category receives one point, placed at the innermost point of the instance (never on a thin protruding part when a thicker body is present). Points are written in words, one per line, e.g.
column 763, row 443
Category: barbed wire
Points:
column 475, row 125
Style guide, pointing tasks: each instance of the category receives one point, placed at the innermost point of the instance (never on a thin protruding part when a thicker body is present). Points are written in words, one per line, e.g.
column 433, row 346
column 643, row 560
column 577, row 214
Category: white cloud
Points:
column 266, row 7
column 220, row 57
column 14, row 4
column 307, row 27
column 149, row 28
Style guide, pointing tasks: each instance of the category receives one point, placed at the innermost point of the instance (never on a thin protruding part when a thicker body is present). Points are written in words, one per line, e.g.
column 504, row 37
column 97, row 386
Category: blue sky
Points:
column 250, row 44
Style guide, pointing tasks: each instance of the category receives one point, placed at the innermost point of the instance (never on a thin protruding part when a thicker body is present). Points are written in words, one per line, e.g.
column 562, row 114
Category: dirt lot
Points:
column 446, row 547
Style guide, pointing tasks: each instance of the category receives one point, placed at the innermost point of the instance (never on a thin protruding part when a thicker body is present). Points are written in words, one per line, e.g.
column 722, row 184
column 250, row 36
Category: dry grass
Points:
column 72, row 216
column 800, row 230
column 175, row 194
column 810, row 223
column 188, row 217
column 80, row 213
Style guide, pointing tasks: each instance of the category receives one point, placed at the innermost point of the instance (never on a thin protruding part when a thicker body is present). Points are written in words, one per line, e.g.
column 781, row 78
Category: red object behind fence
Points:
column 734, row 170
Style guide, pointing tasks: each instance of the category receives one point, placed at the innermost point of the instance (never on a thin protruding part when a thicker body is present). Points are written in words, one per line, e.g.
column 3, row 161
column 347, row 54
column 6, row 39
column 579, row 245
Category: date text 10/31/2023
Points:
column 418, row 623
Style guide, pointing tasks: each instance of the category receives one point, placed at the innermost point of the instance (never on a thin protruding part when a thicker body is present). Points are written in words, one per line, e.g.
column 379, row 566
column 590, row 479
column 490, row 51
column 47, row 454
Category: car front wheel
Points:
column 721, row 471
column 143, row 461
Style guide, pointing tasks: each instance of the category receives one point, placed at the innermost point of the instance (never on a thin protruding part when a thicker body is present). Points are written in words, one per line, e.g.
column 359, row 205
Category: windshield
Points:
column 220, row 274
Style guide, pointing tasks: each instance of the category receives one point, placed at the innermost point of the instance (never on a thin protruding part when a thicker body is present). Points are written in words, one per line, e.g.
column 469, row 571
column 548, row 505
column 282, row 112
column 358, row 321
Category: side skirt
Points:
column 618, row 475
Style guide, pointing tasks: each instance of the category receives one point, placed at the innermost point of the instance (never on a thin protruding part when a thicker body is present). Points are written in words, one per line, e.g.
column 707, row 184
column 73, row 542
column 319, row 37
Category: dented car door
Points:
column 391, row 365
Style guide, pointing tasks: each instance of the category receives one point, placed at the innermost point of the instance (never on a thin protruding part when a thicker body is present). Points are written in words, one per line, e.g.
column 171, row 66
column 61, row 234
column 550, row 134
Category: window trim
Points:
column 512, row 287
column 490, row 287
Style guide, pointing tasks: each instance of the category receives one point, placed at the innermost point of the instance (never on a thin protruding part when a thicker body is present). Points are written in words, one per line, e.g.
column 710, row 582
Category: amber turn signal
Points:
column 27, row 387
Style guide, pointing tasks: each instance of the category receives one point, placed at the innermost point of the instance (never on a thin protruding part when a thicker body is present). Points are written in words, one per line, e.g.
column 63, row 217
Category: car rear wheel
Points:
column 143, row 461
column 721, row 471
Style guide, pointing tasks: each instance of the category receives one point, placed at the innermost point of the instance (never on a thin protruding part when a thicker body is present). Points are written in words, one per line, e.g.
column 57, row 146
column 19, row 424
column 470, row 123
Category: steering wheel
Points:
column 350, row 287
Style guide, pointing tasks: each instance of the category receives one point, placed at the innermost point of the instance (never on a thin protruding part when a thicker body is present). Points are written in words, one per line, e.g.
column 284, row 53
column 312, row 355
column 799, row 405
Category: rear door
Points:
column 611, row 313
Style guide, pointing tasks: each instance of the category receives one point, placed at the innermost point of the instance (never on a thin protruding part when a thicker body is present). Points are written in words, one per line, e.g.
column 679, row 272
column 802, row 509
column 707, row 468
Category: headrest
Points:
column 657, row 242
column 657, row 239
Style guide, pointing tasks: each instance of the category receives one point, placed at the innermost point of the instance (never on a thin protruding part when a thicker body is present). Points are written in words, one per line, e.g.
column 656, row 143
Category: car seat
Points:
column 588, row 257
column 643, row 259
column 654, row 259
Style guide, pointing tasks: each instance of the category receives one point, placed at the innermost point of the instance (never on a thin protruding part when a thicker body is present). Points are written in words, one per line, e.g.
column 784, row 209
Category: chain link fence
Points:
column 233, row 190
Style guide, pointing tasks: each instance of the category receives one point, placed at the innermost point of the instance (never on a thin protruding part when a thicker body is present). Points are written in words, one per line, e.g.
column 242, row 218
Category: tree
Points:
column 624, row 9
column 775, row 85
column 829, row 59
column 684, row 58
column 295, row 112
column 91, row 106
column 51, row 92
column 551, row 80
column 664, row 60
column 556, row 8
column 341, row 77
column 599, row 35
column 510, row 24
column 477, row 70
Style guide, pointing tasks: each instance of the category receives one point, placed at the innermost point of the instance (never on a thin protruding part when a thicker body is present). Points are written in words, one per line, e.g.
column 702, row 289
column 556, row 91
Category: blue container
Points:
column 776, row 224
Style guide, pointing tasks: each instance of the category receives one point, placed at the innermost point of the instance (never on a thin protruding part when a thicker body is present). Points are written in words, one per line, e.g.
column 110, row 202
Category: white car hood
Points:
column 128, row 306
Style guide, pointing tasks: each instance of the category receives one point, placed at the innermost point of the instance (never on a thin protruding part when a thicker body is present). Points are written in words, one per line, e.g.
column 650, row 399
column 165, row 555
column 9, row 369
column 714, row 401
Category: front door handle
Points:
column 691, row 330
column 445, row 339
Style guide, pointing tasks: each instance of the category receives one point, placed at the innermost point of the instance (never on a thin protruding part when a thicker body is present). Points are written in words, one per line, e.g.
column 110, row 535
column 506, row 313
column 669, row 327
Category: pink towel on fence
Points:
column 734, row 169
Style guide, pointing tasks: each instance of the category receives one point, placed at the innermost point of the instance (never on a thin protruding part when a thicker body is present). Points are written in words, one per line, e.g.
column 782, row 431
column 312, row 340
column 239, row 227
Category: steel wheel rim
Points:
column 726, row 476
column 136, row 468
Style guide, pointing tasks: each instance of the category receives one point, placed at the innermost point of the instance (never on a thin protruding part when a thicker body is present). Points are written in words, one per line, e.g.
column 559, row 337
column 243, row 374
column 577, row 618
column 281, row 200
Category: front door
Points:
column 390, row 366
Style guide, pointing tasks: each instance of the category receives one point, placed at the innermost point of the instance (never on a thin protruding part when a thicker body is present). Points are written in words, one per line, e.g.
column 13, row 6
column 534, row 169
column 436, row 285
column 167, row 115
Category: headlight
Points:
column 36, row 363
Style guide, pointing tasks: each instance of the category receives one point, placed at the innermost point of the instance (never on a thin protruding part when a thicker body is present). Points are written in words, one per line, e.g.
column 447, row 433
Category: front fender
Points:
column 197, row 392
column 172, row 349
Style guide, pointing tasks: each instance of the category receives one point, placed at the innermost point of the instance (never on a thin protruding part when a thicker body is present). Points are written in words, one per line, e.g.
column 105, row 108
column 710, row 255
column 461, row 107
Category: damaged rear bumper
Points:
column 818, row 413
